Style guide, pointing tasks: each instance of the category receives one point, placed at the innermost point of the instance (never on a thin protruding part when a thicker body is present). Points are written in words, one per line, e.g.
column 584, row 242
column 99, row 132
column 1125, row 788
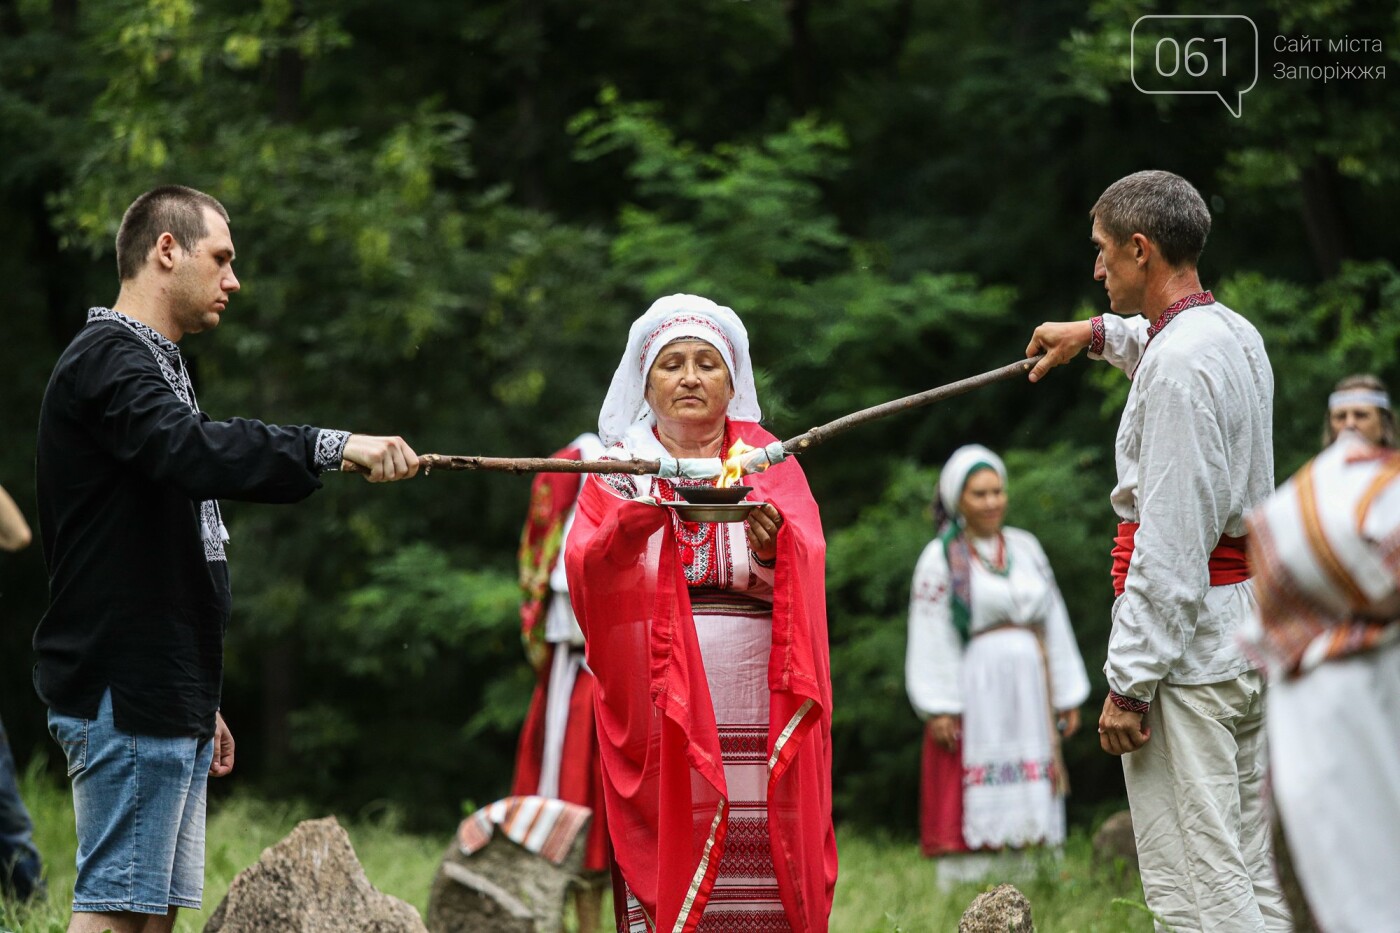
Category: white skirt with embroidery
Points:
column 1009, row 794
column 736, row 637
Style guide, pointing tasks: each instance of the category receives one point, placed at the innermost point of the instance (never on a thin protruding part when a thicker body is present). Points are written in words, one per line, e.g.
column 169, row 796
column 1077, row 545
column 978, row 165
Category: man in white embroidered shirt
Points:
column 1194, row 453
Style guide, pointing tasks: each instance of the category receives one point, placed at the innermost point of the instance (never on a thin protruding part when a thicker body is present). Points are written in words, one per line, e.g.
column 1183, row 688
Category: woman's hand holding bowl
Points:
column 763, row 524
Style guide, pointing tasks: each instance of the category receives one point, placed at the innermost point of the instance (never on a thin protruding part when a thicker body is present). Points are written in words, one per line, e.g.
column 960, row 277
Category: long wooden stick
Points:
column 797, row 445
column 803, row 442
column 432, row 462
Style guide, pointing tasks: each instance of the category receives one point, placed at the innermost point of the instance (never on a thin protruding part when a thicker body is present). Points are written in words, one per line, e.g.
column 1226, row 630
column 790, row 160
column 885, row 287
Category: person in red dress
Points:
column 709, row 645
column 558, row 752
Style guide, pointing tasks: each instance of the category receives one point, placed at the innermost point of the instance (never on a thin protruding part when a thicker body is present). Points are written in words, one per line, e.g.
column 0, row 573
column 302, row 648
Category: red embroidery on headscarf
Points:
column 684, row 319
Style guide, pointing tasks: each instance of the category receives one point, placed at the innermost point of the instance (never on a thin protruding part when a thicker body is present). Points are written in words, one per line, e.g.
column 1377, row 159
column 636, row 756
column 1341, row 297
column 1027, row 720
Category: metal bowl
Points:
column 713, row 495
column 719, row 512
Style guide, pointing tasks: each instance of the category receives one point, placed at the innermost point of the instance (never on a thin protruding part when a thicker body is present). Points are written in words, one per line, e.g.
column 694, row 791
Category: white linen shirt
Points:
column 1194, row 453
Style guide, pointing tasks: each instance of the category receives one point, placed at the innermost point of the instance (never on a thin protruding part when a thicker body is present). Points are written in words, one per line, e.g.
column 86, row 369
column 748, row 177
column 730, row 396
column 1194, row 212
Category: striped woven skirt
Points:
column 736, row 636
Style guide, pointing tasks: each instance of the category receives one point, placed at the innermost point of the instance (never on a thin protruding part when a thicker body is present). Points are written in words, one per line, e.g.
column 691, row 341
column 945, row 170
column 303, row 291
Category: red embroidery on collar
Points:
column 1190, row 301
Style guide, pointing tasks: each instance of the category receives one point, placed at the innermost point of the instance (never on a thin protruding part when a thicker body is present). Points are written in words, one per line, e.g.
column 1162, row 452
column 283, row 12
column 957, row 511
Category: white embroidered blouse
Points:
column 713, row 555
column 1026, row 596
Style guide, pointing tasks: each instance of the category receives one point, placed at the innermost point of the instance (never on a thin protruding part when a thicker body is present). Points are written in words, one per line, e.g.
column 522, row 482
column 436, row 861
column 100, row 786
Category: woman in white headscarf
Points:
column 708, row 645
column 993, row 669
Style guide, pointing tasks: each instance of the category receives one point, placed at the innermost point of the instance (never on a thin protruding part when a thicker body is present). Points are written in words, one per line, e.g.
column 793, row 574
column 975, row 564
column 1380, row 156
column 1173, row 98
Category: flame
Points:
column 733, row 468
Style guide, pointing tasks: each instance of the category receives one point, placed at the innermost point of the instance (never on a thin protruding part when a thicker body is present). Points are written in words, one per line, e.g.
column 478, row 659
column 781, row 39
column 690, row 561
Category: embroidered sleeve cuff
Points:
column 1096, row 336
column 330, row 446
column 1128, row 703
column 622, row 484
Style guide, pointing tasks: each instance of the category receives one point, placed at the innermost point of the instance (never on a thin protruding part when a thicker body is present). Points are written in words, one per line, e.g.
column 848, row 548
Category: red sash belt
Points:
column 1228, row 562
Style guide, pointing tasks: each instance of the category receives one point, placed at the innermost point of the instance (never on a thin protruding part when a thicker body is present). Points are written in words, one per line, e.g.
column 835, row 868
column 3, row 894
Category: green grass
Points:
column 885, row 885
column 888, row 887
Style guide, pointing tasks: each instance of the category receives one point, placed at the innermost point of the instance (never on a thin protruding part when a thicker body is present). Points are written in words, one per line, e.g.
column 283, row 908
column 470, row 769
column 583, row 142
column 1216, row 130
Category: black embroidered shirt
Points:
column 129, row 477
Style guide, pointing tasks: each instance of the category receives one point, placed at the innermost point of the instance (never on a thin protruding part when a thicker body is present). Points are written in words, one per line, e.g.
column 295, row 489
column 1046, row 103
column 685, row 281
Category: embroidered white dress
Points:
column 997, row 684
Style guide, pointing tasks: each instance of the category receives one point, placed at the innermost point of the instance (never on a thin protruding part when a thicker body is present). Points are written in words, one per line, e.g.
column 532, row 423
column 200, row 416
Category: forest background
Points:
column 447, row 215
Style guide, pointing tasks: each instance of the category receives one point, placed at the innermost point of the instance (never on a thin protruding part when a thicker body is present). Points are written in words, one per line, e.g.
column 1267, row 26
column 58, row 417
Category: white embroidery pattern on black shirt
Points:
column 330, row 449
column 167, row 356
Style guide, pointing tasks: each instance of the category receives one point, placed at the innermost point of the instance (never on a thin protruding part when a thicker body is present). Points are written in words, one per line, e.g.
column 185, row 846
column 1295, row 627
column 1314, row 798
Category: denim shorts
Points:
column 139, row 804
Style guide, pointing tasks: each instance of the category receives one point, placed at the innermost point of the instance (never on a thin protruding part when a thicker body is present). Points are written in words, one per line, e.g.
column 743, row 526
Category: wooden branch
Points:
column 804, row 442
column 517, row 465
column 539, row 465
column 797, row 445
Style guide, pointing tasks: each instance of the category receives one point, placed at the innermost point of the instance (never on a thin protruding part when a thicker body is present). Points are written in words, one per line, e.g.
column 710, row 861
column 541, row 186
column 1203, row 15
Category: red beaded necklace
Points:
column 692, row 537
column 999, row 565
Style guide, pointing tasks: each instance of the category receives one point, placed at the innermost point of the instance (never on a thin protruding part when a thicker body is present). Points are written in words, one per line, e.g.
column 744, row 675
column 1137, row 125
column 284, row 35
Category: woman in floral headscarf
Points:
column 708, row 643
column 993, row 669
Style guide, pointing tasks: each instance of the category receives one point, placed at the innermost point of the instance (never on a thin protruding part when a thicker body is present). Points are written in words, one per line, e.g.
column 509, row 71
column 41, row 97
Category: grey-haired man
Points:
column 1194, row 453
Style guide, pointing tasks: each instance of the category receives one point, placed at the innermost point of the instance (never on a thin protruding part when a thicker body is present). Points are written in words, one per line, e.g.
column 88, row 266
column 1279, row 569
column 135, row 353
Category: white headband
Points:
column 1374, row 397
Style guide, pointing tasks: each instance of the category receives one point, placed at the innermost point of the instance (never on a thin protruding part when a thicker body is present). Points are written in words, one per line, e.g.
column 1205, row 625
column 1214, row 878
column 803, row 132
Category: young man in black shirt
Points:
column 130, row 652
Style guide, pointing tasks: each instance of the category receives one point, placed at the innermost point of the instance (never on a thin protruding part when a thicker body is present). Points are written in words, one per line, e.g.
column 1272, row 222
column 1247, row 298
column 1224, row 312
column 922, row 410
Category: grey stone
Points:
column 502, row 888
column 1004, row 909
column 1114, row 840
column 310, row 882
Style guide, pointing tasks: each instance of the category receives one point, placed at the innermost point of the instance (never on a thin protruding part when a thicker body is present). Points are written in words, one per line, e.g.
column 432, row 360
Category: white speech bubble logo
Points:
column 1238, row 109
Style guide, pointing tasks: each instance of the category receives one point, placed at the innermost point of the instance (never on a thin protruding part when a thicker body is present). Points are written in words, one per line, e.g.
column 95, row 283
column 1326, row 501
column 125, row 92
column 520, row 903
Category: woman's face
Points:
column 689, row 385
column 1363, row 419
column 983, row 503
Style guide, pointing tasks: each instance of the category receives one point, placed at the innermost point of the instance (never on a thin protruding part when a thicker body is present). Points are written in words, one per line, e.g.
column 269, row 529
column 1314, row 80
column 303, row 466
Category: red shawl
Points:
column 551, row 497
column 663, row 778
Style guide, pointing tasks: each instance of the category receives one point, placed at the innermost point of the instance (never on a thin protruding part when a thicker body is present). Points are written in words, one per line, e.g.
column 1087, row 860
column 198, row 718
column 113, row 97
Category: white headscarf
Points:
column 669, row 319
column 961, row 465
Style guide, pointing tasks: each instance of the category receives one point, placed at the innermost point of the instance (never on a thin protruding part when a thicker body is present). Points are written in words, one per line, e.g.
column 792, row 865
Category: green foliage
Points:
column 419, row 599
column 1322, row 150
column 1349, row 324
column 755, row 210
